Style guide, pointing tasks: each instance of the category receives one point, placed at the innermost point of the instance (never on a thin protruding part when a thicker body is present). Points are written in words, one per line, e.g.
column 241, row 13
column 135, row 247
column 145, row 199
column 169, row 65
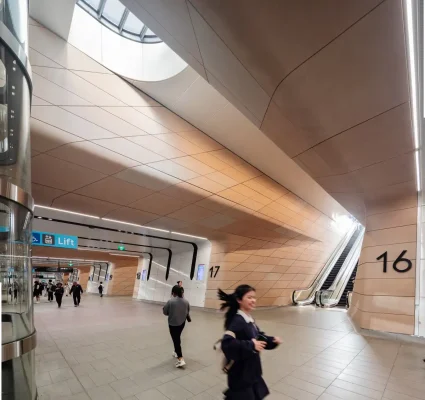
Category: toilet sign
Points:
column 48, row 239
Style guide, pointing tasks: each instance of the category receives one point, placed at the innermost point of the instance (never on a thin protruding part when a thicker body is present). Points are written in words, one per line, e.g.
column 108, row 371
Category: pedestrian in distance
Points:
column 36, row 291
column 76, row 291
column 59, row 291
column 180, row 284
column 66, row 289
column 100, row 288
column 242, row 344
column 51, row 287
column 177, row 309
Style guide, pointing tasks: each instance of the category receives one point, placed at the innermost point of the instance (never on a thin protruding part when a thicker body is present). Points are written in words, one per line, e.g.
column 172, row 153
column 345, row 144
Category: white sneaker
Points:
column 174, row 354
column 180, row 363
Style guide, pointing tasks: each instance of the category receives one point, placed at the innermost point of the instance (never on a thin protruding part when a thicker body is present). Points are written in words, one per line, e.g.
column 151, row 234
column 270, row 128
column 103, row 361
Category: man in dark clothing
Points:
column 100, row 288
column 59, row 294
column 50, row 290
column 76, row 291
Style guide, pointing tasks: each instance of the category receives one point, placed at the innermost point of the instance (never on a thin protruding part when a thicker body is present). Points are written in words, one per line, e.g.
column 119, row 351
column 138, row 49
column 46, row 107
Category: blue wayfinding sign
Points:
column 48, row 239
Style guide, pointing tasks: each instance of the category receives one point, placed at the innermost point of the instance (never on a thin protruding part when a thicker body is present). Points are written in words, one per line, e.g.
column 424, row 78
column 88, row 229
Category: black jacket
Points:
column 59, row 291
column 76, row 290
column 245, row 376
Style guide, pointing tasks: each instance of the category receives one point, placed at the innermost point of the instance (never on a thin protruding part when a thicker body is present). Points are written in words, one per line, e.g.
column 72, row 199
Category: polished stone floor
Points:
column 119, row 348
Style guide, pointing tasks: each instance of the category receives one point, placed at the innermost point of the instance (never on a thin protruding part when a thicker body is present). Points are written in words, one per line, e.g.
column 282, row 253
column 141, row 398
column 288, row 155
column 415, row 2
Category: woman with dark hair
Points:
column 242, row 344
column 177, row 309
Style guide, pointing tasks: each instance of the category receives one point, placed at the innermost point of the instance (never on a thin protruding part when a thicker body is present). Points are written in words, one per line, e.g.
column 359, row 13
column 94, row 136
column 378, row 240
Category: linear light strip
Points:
column 185, row 234
column 412, row 56
column 130, row 223
column 418, row 171
column 414, row 90
column 68, row 212
column 122, row 255
column 172, row 269
column 119, row 222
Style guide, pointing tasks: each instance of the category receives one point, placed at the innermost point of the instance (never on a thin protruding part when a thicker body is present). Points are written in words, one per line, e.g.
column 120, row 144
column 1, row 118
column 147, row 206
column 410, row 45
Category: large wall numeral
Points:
column 398, row 264
column 217, row 268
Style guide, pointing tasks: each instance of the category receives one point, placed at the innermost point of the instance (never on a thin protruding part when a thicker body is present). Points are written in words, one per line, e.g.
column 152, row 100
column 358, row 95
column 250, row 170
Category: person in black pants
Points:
column 50, row 290
column 242, row 344
column 76, row 291
column 59, row 294
column 177, row 309
column 100, row 288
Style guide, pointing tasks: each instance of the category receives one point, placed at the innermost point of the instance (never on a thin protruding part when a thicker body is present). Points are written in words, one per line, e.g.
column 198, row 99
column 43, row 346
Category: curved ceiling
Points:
column 325, row 81
column 102, row 147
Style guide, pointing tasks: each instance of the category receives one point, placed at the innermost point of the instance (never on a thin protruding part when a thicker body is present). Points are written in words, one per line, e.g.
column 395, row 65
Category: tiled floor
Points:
column 118, row 348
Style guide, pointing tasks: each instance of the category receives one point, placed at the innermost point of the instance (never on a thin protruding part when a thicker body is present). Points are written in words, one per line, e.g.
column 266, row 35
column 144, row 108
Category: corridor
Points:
column 119, row 348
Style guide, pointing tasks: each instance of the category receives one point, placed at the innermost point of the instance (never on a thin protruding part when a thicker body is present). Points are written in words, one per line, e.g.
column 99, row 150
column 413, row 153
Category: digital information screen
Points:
column 200, row 274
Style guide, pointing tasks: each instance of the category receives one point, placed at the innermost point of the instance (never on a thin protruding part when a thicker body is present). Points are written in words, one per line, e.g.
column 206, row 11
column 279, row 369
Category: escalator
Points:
column 335, row 294
column 348, row 288
column 334, row 272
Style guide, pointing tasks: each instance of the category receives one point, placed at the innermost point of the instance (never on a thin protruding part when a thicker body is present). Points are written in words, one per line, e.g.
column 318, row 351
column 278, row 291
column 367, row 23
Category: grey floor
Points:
column 119, row 348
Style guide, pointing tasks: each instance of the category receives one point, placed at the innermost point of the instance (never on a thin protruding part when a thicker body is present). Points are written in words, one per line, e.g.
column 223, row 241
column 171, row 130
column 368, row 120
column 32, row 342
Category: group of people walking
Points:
column 241, row 345
column 58, row 290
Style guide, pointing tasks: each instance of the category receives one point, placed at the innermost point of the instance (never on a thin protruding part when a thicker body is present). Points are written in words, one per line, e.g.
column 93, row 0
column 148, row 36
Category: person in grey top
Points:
column 177, row 309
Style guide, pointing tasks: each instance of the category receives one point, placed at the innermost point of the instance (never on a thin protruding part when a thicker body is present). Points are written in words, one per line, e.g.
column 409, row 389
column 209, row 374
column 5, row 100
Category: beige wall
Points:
column 278, row 265
column 123, row 277
column 83, row 277
column 386, row 301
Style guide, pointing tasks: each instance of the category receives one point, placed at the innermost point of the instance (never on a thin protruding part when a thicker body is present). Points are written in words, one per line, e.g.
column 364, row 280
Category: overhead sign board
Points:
column 48, row 239
column 53, row 269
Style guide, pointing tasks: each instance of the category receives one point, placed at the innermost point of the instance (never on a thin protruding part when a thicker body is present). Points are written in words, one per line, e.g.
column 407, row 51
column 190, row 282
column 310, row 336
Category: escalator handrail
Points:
column 344, row 274
column 306, row 296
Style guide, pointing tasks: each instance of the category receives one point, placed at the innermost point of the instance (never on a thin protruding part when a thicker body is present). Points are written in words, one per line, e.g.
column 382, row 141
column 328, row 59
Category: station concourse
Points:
column 274, row 144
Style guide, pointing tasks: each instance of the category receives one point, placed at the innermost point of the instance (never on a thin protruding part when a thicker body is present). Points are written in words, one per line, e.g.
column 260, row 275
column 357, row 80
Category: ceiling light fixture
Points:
column 120, row 222
column 413, row 75
column 130, row 223
column 184, row 234
column 66, row 211
column 123, row 255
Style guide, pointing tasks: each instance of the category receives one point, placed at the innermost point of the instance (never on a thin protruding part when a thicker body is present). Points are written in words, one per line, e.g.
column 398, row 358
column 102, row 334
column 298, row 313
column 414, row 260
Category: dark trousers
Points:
column 77, row 299
column 176, row 332
column 59, row 299
column 49, row 296
column 101, row 294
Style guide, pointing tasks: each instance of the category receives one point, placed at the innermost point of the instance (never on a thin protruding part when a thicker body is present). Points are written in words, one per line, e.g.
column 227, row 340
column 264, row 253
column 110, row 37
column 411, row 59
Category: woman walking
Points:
column 36, row 291
column 242, row 344
column 177, row 309
column 59, row 294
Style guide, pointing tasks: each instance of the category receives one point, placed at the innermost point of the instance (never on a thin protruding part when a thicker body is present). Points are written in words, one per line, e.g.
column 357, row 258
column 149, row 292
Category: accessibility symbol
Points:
column 36, row 238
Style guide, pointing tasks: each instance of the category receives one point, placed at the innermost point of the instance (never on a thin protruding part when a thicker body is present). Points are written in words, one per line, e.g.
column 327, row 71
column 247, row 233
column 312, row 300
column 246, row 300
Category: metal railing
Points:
column 331, row 296
column 304, row 297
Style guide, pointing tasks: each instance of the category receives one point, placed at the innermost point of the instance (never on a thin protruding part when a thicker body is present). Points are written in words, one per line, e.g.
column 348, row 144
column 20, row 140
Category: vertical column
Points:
column 16, row 205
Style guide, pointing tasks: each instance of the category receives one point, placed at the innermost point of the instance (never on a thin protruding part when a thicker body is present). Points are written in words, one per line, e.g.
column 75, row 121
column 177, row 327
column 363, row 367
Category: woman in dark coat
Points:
column 242, row 344
column 59, row 294
column 36, row 291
